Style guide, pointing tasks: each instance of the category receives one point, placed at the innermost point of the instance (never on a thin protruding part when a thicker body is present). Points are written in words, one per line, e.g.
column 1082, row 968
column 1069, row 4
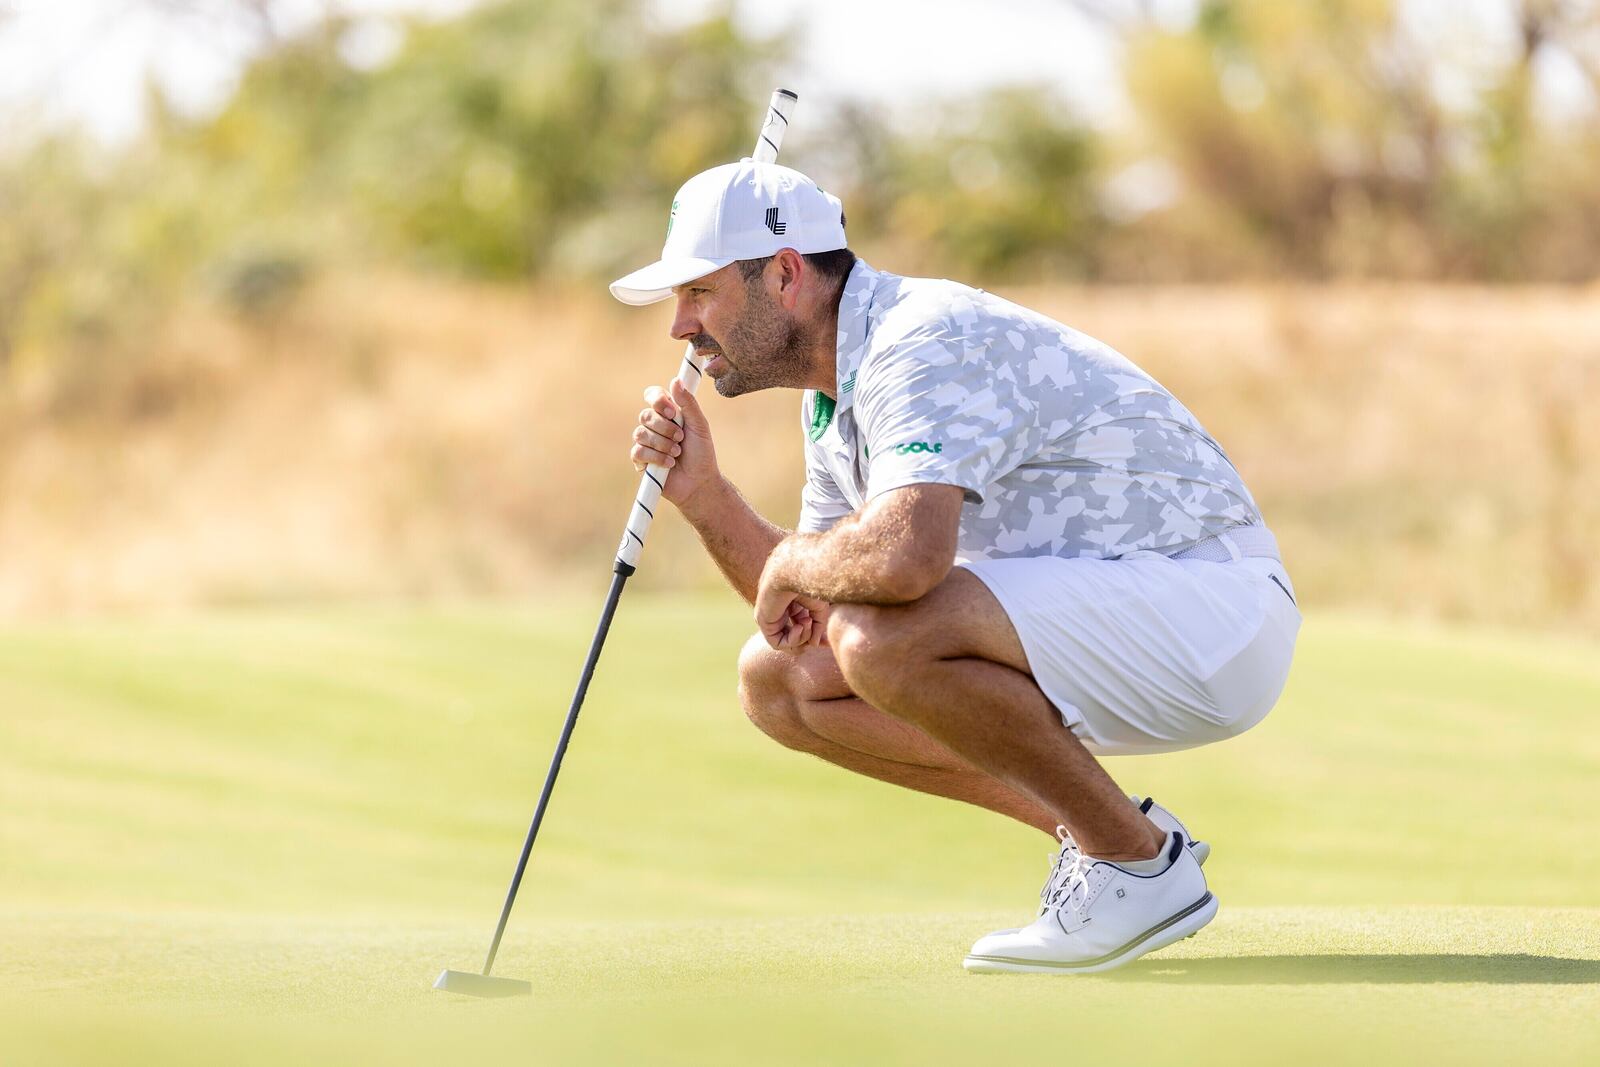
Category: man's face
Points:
column 749, row 341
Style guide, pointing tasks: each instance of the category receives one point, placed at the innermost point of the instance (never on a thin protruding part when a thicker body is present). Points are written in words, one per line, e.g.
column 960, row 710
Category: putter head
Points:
column 471, row 984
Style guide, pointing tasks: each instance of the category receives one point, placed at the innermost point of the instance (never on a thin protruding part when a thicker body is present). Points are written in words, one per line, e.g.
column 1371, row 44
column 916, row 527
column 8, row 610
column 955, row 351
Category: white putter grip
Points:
column 689, row 373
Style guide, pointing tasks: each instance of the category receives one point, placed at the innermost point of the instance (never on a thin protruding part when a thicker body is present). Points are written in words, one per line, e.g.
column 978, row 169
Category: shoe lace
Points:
column 1067, row 868
column 1068, row 887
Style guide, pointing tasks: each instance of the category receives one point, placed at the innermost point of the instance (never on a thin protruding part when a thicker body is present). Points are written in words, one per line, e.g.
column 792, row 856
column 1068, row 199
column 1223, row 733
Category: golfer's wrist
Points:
column 708, row 501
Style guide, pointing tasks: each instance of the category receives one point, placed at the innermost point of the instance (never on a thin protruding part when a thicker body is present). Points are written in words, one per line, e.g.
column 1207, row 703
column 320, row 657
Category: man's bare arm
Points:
column 734, row 533
column 892, row 551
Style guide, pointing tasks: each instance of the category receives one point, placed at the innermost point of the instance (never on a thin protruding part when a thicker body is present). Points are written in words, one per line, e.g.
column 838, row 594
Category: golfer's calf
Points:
column 801, row 701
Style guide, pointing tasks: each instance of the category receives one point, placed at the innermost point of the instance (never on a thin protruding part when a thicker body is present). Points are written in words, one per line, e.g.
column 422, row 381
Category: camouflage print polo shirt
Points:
column 1063, row 446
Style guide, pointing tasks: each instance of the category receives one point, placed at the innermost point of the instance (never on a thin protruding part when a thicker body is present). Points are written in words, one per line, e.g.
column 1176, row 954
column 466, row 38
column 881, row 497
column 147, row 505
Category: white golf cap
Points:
column 743, row 210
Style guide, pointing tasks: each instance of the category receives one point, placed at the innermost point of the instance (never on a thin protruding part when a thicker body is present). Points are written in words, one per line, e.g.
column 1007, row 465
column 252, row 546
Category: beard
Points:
column 763, row 350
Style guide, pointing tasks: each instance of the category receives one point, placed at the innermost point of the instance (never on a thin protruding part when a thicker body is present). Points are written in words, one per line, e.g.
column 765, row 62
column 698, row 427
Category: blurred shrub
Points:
column 85, row 269
column 1314, row 139
column 1005, row 187
column 523, row 138
column 258, row 284
column 489, row 138
column 543, row 137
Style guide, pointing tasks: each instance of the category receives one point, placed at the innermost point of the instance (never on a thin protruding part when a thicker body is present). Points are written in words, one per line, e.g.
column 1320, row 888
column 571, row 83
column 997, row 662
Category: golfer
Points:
column 1016, row 552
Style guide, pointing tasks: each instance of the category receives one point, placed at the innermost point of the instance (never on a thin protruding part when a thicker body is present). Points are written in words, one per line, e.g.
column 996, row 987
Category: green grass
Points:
column 256, row 837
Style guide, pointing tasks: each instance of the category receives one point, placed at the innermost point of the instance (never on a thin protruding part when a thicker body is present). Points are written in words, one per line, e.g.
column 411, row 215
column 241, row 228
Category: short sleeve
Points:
column 822, row 504
column 936, row 409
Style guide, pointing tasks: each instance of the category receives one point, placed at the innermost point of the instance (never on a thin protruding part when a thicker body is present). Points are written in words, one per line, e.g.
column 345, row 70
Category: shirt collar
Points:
column 855, row 310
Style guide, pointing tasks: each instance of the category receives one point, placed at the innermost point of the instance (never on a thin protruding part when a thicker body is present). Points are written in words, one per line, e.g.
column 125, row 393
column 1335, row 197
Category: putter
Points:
column 485, row 984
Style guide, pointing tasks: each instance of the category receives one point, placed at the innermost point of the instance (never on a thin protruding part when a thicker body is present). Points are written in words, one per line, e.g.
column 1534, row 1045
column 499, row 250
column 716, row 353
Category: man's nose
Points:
column 684, row 323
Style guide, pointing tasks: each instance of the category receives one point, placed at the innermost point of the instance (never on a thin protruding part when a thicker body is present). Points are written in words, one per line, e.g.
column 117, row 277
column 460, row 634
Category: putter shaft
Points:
column 619, row 578
column 775, row 122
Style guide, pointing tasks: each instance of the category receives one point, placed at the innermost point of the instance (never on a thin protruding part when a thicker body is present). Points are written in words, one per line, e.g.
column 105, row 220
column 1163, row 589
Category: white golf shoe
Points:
column 1167, row 821
column 1060, row 866
column 1098, row 915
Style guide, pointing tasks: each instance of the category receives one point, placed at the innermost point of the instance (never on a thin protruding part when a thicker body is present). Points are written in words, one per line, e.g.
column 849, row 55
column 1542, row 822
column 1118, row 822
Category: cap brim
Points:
column 655, row 282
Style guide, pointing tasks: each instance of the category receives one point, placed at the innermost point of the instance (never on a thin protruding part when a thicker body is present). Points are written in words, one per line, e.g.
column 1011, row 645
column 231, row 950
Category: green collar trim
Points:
column 821, row 415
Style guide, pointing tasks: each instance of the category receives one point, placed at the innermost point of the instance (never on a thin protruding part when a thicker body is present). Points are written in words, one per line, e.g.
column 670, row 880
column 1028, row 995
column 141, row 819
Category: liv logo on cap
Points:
column 738, row 211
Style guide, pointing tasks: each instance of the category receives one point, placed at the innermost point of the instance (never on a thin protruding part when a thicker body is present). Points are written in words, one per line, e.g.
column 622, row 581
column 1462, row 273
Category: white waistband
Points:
column 1240, row 542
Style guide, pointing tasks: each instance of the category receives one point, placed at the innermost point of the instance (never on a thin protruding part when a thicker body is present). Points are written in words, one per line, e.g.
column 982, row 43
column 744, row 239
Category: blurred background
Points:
column 314, row 419
column 303, row 299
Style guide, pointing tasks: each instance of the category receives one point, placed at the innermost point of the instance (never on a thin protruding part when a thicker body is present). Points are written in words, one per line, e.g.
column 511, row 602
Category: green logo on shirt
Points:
column 821, row 414
column 919, row 446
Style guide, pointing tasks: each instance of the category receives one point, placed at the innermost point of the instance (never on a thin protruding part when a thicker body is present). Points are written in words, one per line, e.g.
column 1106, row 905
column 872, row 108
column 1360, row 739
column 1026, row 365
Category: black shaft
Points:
column 617, row 582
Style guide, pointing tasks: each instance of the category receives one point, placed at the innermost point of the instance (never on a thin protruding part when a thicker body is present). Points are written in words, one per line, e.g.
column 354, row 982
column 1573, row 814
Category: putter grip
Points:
column 646, row 500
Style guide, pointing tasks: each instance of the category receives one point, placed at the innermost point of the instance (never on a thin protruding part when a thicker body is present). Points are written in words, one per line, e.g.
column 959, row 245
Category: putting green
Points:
column 258, row 836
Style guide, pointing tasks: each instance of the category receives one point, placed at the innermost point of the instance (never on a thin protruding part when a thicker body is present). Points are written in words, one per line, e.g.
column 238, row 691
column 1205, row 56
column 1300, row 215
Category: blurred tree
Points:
column 524, row 137
column 1004, row 187
column 502, row 143
column 1314, row 135
column 543, row 137
column 76, row 262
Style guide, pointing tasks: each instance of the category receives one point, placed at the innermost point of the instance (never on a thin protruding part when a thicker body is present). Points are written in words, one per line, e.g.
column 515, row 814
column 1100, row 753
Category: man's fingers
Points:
column 648, row 438
column 802, row 636
column 799, row 627
column 792, row 627
column 774, row 636
column 692, row 415
column 643, row 457
column 787, row 636
column 788, row 625
column 773, row 621
column 657, row 400
column 662, row 403
column 661, row 424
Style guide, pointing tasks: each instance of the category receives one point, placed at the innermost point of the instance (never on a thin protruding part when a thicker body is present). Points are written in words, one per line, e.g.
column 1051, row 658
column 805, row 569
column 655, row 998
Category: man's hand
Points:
column 687, row 450
column 788, row 620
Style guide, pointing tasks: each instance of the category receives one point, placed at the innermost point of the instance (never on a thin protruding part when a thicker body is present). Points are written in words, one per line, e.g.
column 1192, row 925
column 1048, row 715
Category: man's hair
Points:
column 834, row 266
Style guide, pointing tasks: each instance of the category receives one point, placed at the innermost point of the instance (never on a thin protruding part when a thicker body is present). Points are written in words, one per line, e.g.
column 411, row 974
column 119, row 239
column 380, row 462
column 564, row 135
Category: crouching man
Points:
column 1016, row 552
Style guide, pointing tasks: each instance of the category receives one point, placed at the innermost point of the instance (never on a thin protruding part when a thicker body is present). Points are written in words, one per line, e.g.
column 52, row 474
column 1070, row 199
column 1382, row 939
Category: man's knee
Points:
column 872, row 645
column 766, row 694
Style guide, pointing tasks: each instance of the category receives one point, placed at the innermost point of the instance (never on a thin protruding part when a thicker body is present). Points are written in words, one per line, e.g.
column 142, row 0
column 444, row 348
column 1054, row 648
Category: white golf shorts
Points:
column 1149, row 654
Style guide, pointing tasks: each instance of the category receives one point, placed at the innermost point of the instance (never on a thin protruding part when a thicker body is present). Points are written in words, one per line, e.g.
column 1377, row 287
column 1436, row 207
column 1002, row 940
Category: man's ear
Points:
column 791, row 274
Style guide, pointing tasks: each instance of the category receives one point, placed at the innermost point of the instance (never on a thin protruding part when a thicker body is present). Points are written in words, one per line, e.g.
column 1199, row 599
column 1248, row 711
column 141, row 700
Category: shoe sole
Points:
column 1198, row 849
column 1185, row 923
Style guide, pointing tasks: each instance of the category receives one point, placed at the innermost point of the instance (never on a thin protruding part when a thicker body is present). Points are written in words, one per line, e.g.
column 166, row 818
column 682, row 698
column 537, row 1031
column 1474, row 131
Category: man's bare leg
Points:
column 951, row 665
column 801, row 700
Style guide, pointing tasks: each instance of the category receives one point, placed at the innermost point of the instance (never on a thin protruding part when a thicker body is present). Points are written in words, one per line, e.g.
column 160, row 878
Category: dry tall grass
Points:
column 1419, row 449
